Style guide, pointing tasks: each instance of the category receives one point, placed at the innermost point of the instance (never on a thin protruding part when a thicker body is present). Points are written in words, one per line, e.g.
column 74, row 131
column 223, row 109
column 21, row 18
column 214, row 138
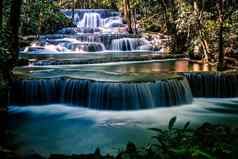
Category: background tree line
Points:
column 201, row 28
column 205, row 29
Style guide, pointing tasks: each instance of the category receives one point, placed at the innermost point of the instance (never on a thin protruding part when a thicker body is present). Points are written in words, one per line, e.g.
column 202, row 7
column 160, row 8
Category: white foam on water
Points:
column 66, row 129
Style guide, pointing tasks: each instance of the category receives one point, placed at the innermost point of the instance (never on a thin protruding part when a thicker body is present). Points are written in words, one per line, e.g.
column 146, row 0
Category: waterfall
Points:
column 101, row 95
column 24, row 92
column 86, row 47
column 106, row 39
column 128, row 44
column 90, row 20
column 213, row 84
column 92, row 25
column 105, row 13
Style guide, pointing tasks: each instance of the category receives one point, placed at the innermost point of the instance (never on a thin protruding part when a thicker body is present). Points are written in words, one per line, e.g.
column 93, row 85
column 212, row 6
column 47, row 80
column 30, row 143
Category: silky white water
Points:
column 63, row 129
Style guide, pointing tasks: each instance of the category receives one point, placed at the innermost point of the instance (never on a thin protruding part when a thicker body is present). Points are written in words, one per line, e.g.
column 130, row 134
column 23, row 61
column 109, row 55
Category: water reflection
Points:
column 182, row 66
column 205, row 67
column 202, row 67
column 167, row 66
column 114, row 70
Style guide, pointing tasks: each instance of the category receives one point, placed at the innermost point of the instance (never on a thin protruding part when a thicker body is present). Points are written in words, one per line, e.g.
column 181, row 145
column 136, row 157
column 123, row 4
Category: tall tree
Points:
column 127, row 14
column 1, row 13
column 13, row 24
column 73, row 10
column 199, row 15
column 220, row 7
column 113, row 4
column 6, row 67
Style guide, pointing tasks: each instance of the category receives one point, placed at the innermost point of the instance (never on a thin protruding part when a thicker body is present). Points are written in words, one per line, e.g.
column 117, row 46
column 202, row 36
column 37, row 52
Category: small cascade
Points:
column 35, row 92
column 90, row 20
column 59, row 39
column 92, row 25
column 128, row 44
column 78, row 13
column 223, row 85
column 102, row 95
column 86, row 47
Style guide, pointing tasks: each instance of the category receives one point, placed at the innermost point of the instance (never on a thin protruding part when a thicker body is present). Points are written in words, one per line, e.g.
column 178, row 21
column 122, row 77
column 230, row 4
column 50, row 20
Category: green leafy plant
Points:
column 177, row 143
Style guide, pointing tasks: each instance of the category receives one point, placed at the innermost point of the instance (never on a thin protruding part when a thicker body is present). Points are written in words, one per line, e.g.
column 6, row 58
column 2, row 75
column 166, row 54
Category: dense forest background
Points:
column 205, row 30
column 198, row 27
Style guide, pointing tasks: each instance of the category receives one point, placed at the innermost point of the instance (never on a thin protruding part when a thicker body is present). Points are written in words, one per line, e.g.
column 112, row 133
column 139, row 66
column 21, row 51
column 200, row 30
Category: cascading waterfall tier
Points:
column 213, row 84
column 91, row 20
column 106, row 39
column 79, row 13
column 102, row 95
column 128, row 44
column 92, row 25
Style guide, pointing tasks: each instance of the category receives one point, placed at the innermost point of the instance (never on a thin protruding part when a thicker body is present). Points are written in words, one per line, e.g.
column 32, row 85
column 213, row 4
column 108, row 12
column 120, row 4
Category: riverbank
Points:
column 207, row 141
column 227, row 147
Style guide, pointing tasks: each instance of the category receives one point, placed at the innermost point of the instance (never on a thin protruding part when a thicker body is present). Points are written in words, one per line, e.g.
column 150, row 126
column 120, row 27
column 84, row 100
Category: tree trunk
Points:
column 220, row 6
column 73, row 10
column 220, row 66
column 3, row 109
column 127, row 15
column 1, row 13
column 135, row 20
column 198, row 12
column 13, row 24
column 5, row 72
column 113, row 4
column 205, row 50
column 165, row 14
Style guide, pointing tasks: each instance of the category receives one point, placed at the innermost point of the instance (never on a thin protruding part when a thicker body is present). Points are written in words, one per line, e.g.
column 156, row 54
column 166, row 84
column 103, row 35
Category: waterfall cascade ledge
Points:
column 213, row 84
column 102, row 95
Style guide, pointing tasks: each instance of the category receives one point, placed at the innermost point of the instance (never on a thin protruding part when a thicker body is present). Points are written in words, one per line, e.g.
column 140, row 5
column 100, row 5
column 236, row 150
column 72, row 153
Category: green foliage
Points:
column 4, row 53
column 106, row 4
column 173, row 142
column 172, row 122
column 207, row 142
column 42, row 17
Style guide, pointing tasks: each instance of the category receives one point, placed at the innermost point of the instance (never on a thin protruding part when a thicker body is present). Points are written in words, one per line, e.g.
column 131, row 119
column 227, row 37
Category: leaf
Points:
column 186, row 125
column 156, row 130
column 156, row 145
column 198, row 153
column 148, row 147
column 181, row 151
column 172, row 122
column 160, row 141
column 155, row 137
